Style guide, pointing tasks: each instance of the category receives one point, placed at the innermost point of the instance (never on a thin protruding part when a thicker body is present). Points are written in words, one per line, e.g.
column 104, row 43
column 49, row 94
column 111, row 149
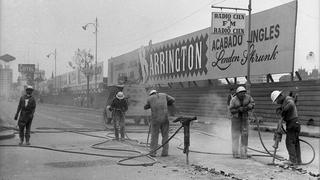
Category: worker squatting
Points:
column 176, row 59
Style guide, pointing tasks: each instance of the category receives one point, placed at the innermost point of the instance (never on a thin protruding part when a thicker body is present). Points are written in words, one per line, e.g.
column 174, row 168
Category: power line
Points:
column 168, row 26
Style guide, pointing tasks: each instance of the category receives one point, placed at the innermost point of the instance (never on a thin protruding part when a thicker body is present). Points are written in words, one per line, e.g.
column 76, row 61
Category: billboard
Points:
column 124, row 69
column 81, row 79
column 27, row 72
column 271, row 51
column 26, row 68
column 203, row 55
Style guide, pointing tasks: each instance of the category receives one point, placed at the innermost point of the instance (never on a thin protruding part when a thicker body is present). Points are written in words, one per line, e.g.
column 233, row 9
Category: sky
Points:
column 32, row 29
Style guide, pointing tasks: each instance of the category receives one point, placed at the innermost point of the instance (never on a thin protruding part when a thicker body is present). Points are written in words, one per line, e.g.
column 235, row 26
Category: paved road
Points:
column 28, row 163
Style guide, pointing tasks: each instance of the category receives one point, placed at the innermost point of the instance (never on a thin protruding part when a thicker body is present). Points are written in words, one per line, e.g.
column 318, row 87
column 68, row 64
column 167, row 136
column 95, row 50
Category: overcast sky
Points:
column 31, row 29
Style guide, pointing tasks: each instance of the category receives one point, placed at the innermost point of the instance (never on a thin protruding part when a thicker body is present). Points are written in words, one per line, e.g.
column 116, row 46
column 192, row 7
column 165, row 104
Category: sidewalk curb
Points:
column 7, row 135
column 304, row 134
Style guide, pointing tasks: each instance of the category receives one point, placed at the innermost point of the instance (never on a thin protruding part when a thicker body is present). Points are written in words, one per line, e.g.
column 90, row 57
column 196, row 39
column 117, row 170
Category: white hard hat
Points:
column 152, row 92
column 240, row 89
column 275, row 94
column 29, row 87
column 120, row 95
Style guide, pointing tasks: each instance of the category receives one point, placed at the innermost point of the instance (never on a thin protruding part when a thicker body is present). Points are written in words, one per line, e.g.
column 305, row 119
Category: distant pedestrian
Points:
column 239, row 106
column 26, row 109
column 289, row 113
column 119, row 106
column 158, row 103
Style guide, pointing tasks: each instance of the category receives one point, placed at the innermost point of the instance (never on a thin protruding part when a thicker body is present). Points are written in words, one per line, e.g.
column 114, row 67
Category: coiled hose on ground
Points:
column 83, row 131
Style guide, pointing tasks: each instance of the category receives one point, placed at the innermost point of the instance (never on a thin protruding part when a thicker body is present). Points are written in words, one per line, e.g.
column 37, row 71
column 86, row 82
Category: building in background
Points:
column 5, row 80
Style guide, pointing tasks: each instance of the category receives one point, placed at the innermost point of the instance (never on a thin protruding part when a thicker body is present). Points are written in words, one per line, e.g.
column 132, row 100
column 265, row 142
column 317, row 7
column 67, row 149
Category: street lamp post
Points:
column 96, row 48
column 55, row 66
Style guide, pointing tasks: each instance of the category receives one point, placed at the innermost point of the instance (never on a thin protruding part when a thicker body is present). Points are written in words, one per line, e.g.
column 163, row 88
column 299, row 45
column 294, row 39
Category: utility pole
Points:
column 55, row 68
column 319, row 45
column 96, row 66
column 248, row 83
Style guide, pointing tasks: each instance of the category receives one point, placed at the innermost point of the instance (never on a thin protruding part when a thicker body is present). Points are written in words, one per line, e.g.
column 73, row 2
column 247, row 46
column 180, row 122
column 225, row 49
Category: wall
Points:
column 211, row 101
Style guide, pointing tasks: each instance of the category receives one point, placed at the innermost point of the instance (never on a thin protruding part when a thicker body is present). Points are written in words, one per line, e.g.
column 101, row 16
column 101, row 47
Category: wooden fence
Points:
column 211, row 101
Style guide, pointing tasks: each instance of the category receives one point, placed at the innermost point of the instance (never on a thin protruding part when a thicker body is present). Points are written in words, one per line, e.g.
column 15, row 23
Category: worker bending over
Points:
column 158, row 103
column 289, row 113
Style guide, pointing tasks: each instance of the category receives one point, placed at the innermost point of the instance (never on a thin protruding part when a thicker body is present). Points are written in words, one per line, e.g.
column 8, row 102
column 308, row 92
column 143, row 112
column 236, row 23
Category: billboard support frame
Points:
column 294, row 40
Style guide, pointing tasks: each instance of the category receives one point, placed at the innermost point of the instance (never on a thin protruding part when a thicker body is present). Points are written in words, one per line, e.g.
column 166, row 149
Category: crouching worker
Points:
column 289, row 113
column 158, row 103
column 119, row 106
column 239, row 106
column 26, row 109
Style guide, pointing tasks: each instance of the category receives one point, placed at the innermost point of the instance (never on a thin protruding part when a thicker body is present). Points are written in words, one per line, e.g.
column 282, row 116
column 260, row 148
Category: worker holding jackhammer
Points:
column 239, row 106
column 289, row 114
column 158, row 103
column 26, row 109
column 119, row 106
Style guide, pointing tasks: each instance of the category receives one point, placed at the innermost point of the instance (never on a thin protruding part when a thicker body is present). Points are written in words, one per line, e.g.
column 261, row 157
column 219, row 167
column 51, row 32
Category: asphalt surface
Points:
column 34, row 163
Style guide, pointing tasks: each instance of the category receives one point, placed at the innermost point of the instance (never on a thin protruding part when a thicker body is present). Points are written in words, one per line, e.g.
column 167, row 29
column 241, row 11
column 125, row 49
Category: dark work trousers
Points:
column 164, row 128
column 119, row 124
column 293, row 144
column 239, row 129
column 26, row 126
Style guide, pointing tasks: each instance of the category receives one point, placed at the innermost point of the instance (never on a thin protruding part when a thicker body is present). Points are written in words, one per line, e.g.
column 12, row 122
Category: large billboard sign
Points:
column 271, row 51
column 180, row 59
column 204, row 55
column 124, row 69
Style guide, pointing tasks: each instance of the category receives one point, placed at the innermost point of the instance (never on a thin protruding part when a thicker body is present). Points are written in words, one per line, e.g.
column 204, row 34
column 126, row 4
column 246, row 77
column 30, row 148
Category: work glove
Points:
column 16, row 117
column 245, row 109
column 279, row 111
column 241, row 109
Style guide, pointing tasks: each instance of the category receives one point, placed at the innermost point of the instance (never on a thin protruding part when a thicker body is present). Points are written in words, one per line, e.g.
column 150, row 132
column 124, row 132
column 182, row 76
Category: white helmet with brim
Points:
column 29, row 88
column 240, row 89
column 274, row 95
column 152, row 92
column 120, row 95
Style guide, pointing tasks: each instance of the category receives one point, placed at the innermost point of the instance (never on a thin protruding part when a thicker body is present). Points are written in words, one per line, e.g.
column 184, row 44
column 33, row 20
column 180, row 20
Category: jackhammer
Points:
column 185, row 121
column 277, row 138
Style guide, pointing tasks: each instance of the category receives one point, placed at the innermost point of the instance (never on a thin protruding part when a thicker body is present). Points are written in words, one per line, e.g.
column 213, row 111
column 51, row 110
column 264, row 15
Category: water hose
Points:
column 279, row 157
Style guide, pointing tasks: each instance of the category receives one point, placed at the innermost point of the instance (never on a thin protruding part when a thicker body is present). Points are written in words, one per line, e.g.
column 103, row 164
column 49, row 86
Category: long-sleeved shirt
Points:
column 158, row 103
column 119, row 105
column 289, row 111
column 27, row 107
column 235, row 104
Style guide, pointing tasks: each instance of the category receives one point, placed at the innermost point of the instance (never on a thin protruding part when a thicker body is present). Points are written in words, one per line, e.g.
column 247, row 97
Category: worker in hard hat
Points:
column 119, row 106
column 289, row 113
column 239, row 106
column 158, row 103
column 26, row 109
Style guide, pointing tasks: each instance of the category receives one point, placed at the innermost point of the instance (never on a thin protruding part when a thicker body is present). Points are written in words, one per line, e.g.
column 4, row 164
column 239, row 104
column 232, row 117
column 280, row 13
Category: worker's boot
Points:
column 243, row 152
column 21, row 142
column 122, row 133
column 27, row 140
column 116, row 134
